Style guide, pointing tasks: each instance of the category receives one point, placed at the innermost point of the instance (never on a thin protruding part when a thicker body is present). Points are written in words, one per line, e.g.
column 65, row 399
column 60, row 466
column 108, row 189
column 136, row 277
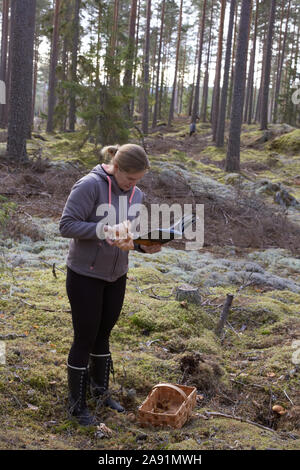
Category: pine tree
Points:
column 197, row 87
column 3, row 59
column 266, row 70
column 281, row 53
column 156, row 105
column 222, row 111
column 171, row 110
column 52, row 68
column 127, row 81
column 75, row 45
column 146, row 84
column 233, row 151
column 22, row 39
column 216, row 92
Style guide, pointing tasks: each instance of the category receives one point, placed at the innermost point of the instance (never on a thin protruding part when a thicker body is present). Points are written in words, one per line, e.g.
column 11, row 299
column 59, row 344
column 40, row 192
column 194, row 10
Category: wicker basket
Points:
column 167, row 405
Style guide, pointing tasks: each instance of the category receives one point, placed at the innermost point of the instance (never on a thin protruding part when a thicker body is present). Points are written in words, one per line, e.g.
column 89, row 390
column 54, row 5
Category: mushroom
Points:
column 279, row 409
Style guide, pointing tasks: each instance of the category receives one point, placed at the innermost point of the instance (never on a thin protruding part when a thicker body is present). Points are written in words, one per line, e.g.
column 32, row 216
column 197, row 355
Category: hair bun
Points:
column 109, row 151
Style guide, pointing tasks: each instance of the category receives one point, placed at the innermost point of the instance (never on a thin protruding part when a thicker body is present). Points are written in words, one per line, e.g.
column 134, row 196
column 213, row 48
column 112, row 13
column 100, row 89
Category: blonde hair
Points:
column 130, row 158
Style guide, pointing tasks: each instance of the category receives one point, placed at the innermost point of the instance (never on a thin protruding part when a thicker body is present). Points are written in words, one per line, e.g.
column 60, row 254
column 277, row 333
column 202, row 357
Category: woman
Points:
column 96, row 270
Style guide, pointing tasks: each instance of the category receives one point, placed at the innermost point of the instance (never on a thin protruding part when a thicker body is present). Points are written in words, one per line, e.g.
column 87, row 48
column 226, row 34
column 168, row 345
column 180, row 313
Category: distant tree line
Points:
column 118, row 64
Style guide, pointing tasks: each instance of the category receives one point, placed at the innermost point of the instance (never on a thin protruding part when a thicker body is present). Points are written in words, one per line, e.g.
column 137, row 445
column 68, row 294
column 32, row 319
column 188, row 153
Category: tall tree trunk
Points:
column 111, row 58
column 75, row 45
column 52, row 68
column 197, row 87
column 8, row 72
column 206, row 76
column 216, row 93
column 127, row 81
column 162, row 81
column 67, row 13
column 222, row 112
column 135, row 57
column 251, row 69
column 145, row 119
column 22, row 37
column 171, row 110
column 35, row 71
column 155, row 111
column 3, row 59
column 98, row 47
column 180, row 97
column 233, row 151
column 280, row 64
column 267, row 69
column 194, row 71
column 233, row 61
column 258, row 103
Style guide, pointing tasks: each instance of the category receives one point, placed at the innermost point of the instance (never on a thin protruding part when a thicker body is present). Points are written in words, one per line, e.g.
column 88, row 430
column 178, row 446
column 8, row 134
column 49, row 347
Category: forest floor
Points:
column 251, row 250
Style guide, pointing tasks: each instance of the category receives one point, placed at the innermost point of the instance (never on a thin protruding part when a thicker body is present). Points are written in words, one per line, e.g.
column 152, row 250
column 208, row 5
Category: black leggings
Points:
column 96, row 305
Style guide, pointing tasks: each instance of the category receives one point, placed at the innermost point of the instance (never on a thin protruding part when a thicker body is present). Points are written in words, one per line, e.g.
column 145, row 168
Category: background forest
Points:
column 107, row 65
column 211, row 90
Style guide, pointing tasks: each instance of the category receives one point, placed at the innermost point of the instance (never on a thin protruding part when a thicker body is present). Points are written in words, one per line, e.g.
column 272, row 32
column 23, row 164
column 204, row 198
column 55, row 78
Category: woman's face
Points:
column 127, row 180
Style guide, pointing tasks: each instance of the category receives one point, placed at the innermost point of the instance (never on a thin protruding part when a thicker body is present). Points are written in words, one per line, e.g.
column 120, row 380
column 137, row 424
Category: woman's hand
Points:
column 122, row 237
column 125, row 245
column 151, row 249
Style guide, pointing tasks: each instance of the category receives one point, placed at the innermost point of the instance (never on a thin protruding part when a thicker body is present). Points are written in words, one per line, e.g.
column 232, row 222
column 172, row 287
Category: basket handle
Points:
column 163, row 385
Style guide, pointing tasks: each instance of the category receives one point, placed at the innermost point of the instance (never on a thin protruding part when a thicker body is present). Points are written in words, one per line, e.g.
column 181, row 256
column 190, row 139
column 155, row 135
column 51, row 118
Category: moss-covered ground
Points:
column 239, row 375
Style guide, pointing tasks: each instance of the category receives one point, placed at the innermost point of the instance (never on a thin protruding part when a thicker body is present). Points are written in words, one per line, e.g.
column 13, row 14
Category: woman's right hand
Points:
column 125, row 242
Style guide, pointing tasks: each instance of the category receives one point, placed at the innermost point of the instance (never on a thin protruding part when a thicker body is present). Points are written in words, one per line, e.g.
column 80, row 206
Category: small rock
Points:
column 131, row 393
column 103, row 431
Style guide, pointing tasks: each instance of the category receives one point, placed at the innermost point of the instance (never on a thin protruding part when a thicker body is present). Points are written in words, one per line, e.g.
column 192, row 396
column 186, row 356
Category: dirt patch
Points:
column 38, row 190
column 202, row 372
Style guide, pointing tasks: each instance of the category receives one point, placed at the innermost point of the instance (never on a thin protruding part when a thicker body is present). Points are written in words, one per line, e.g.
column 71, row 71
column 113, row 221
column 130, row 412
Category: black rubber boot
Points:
column 99, row 369
column 77, row 381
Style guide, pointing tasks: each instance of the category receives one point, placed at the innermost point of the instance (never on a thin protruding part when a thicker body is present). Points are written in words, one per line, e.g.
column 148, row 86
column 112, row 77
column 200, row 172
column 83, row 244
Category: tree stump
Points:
column 188, row 293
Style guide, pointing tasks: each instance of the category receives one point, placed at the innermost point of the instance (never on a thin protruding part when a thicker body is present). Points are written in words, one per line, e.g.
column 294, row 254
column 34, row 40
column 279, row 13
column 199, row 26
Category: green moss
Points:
column 287, row 143
column 188, row 444
column 215, row 153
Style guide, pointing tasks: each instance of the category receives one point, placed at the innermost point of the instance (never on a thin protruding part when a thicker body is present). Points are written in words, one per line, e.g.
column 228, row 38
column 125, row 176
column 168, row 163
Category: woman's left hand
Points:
column 123, row 244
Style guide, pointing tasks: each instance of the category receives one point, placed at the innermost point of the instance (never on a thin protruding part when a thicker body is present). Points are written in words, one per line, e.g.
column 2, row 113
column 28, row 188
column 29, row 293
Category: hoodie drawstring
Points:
column 109, row 191
column 132, row 193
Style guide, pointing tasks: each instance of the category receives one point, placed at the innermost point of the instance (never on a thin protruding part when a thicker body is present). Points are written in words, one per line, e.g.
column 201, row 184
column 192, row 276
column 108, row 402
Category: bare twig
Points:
column 160, row 297
column 238, row 418
column 288, row 397
column 53, row 268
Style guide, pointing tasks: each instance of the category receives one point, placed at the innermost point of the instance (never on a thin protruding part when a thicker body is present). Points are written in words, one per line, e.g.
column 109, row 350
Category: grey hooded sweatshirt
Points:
column 89, row 253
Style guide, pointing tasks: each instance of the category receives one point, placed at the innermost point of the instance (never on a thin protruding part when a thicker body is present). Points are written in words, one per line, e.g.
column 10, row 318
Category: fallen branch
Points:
column 160, row 297
column 238, row 418
column 53, row 268
column 12, row 336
